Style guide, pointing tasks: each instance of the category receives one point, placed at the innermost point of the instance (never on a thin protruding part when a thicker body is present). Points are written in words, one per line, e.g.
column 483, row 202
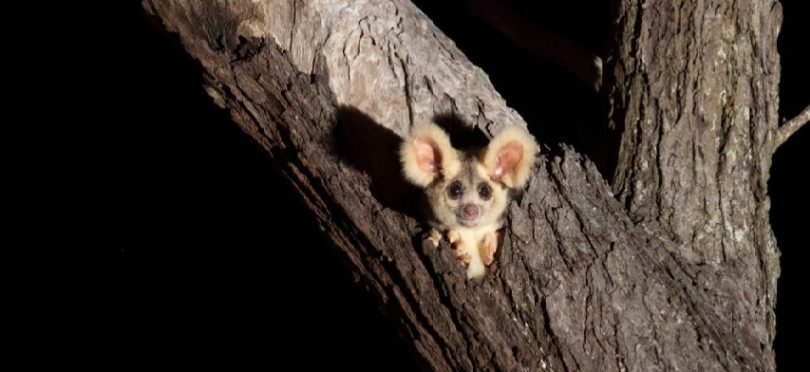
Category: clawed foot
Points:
column 434, row 237
column 461, row 251
column 453, row 236
column 488, row 247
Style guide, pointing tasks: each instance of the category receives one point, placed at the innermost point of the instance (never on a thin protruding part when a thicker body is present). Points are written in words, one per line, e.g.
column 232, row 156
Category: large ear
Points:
column 427, row 154
column 510, row 156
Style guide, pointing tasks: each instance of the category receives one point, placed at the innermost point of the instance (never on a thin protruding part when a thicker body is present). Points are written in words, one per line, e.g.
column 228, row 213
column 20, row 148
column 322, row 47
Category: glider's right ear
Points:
column 426, row 154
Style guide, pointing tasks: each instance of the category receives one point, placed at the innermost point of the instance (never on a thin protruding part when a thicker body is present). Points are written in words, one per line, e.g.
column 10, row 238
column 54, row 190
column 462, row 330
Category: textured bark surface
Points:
column 676, row 273
column 698, row 135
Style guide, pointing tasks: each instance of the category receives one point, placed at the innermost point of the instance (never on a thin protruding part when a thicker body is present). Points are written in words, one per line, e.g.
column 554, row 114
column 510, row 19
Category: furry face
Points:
column 468, row 191
column 468, row 198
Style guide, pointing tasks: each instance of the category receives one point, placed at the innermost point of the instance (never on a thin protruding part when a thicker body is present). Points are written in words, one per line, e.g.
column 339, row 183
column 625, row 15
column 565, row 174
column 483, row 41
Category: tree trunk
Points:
column 676, row 271
column 698, row 135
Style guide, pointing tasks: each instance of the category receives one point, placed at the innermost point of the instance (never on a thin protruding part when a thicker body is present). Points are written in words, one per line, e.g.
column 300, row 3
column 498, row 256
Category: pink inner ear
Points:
column 507, row 160
column 428, row 156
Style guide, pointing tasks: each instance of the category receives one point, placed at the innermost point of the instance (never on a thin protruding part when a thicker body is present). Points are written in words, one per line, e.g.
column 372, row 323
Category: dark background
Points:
column 147, row 230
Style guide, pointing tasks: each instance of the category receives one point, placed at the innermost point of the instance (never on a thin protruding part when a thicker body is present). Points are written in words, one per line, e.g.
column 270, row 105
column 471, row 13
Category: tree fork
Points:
column 583, row 283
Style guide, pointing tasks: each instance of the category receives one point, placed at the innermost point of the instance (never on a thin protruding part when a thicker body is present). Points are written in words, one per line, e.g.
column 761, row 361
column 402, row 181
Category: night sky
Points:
column 147, row 230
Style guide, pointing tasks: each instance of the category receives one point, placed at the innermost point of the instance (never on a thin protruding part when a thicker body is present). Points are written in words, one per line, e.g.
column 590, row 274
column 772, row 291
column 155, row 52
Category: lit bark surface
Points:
column 676, row 273
column 698, row 135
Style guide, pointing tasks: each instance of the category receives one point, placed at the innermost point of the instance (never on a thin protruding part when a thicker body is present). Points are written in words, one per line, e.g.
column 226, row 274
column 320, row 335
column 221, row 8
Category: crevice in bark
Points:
column 600, row 281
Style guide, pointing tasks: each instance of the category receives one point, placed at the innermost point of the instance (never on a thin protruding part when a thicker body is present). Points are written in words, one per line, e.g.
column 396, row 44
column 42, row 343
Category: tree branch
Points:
column 790, row 127
column 328, row 87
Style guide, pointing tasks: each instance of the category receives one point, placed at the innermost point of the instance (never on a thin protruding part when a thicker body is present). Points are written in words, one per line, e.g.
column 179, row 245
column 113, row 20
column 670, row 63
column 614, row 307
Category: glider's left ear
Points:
column 510, row 157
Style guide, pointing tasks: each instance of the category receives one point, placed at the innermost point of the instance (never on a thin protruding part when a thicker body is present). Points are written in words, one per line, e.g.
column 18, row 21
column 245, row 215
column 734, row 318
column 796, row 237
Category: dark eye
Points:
column 484, row 190
column 455, row 190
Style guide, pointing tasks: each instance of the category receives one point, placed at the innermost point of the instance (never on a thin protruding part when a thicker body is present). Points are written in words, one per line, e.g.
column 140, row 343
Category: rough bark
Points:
column 585, row 280
column 698, row 135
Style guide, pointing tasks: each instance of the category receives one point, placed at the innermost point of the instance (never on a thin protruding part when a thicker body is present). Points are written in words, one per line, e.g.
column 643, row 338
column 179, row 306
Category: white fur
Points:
column 472, row 239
